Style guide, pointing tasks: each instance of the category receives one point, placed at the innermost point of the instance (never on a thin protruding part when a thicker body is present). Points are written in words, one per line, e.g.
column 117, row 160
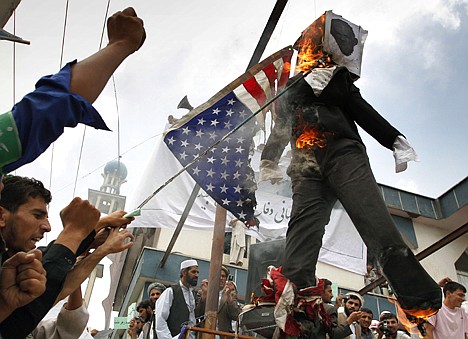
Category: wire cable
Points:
column 102, row 165
column 60, row 66
column 85, row 127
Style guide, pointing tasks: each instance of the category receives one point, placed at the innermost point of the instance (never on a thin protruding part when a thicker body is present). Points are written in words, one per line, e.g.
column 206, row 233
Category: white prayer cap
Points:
column 188, row 263
column 355, row 296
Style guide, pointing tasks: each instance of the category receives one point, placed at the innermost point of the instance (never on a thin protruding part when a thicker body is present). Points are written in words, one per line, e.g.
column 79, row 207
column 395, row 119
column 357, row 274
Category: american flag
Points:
column 224, row 171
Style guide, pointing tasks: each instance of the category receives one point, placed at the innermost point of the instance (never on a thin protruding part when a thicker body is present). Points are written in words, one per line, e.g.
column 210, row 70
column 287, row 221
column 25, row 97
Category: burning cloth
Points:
column 319, row 117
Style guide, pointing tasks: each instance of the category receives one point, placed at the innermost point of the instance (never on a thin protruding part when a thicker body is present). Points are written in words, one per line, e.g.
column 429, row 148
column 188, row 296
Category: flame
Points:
column 413, row 320
column 311, row 138
column 310, row 47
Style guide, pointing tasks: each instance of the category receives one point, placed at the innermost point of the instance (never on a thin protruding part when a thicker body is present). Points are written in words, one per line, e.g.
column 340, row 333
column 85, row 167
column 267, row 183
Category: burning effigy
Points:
column 319, row 116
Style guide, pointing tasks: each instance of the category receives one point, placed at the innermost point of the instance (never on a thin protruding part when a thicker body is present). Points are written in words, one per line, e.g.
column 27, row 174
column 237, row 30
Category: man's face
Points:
column 352, row 305
column 392, row 325
column 455, row 299
column 366, row 319
column 222, row 280
column 25, row 227
column 190, row 276
column 327, row 294
column 154, row 295
column 145, row 313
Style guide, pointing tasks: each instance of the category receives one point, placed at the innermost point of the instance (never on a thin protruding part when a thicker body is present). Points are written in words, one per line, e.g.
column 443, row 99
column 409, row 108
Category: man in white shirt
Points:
column 176, row 305
column 451, row 321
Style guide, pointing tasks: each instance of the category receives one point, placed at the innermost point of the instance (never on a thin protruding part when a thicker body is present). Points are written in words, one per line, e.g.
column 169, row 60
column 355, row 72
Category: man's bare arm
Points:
column 115, row 243
column 126, row 35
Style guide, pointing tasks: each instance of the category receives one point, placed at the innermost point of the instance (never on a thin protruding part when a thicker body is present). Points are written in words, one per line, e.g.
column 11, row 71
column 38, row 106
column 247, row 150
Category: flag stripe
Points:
column 252, row 86
column 284, row 71
column 266, row 80
column 246, row 98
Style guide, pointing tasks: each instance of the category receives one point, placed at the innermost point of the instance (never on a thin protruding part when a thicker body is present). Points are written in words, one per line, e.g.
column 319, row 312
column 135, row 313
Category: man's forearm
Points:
column 90, row 76
column 80, row 272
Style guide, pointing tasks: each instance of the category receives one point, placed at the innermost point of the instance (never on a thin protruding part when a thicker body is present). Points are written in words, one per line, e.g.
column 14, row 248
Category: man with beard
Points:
column 154, row 292
column 146, row 313
column 351, row 315
column 176, row 305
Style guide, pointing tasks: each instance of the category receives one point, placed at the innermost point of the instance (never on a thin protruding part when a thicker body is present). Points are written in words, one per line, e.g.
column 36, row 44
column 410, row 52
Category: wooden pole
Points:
column 217, row 251
column 217, row 248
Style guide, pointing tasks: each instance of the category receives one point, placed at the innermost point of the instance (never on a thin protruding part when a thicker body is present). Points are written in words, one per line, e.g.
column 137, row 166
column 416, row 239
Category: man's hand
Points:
column 204, row 289
column 79, row 217
column 22, row 280
column 126, row 27
column 354, row 317
column 115, row 242
column 444, row 281
column 113, row 220
column 230, row 291
column 132, row 330
column 339, row 300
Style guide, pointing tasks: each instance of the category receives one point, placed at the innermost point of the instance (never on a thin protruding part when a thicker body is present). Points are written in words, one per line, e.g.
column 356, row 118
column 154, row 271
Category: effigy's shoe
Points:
column 414, row 289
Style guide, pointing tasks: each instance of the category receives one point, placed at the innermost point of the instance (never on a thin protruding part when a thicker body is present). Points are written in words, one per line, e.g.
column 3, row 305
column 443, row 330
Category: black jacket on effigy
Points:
column 336, row 110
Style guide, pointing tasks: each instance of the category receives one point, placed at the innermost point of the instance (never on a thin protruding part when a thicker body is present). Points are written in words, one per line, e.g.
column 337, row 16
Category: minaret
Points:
column 107, row 199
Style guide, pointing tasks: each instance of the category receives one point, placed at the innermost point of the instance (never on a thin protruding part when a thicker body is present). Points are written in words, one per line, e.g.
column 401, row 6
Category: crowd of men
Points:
column 169, row 310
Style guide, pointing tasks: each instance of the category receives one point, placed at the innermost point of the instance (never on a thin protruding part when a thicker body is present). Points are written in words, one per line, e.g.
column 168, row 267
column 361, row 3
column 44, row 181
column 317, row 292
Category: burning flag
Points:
column 224, row 172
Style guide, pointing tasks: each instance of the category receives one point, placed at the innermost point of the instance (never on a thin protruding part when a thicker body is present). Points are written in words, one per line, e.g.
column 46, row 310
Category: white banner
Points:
column 342, row 245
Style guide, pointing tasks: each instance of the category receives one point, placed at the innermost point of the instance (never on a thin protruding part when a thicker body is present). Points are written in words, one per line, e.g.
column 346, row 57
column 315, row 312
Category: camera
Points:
column 384, row 328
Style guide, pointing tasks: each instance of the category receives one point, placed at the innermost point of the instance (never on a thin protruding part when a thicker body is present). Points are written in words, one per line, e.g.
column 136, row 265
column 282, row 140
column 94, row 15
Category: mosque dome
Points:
column 117, row 167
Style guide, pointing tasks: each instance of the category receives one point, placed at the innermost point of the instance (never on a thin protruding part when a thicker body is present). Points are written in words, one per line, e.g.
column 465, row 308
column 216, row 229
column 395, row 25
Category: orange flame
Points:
column 413, row 320
column 310, row 47
column 311, row 138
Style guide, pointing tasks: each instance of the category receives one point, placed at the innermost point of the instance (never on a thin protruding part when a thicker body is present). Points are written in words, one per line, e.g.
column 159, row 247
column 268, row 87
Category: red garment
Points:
column 308, row 301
